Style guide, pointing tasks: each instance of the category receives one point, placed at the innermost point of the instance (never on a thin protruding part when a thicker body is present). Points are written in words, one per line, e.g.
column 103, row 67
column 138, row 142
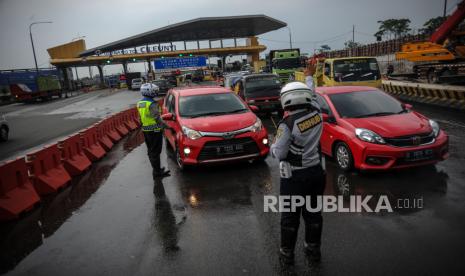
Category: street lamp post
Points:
column 290, row 36
column 32, row 41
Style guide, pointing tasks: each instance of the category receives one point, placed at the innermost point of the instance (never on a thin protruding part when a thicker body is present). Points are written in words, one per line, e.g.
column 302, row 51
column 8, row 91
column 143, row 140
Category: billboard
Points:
column 182, row 62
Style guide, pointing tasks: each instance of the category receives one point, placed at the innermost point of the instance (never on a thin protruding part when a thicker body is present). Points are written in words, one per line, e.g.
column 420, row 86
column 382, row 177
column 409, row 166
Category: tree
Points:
column 432, row 24
column 396, row 27
column 351, row 44
column 325, row 47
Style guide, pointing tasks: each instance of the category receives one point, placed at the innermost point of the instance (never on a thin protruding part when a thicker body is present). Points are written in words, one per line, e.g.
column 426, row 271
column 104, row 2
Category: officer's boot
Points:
column 313, row 241
column 288, row 240
column 157, row 170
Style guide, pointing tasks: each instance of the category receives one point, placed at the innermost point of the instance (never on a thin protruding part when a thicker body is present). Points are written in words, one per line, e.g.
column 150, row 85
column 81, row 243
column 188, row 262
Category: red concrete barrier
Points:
column 103, row 130
column 129, row 119
column 136, row 117
column 91, row 145
column 17, row 195
column 73, row 157
column 119, row 124
column 111, row 131
column 47, row 171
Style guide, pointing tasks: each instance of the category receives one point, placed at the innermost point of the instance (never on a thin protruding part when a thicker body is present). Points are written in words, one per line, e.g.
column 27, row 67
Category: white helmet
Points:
column 295, row 93
column 149, row 90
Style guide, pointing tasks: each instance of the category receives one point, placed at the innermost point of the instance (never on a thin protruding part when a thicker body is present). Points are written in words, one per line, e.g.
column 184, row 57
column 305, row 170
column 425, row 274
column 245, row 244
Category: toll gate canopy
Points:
column 138, row 47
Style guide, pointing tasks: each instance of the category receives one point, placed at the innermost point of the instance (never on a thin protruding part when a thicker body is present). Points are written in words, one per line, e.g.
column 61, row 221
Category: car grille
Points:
column 411, row 140
column 228, row 148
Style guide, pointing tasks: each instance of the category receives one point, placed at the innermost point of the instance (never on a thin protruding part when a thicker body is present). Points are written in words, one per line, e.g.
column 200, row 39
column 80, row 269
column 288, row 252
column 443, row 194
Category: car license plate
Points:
column 419, row 155
column 230, row 149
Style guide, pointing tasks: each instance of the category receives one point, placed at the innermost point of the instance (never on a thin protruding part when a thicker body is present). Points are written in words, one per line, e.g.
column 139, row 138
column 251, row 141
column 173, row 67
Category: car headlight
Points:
column 369, row 136
column 190, row 133
column 435, row 126
column 257, row 126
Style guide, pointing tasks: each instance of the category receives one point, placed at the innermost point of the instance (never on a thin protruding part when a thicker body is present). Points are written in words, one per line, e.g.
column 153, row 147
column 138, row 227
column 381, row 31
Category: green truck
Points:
column 283, row 63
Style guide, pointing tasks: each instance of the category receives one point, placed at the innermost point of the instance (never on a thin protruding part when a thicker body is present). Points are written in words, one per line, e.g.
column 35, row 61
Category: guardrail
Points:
column 441, row 95
column 25, row 180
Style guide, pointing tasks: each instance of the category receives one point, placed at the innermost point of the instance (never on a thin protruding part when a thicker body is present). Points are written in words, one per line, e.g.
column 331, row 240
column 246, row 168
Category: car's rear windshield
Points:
column 210, row 105
column 362, row 104
column 262, row 86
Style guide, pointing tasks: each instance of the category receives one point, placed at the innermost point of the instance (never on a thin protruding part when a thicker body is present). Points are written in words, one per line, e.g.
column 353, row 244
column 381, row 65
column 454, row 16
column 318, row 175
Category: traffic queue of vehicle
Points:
column 364, row 127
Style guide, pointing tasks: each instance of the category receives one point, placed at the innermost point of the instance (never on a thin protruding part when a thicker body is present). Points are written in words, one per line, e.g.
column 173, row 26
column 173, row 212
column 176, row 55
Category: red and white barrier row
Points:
column 24, row 180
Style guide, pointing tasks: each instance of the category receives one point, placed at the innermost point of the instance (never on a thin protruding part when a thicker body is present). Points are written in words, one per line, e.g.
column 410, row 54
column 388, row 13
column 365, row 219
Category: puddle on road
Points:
column 19, row 238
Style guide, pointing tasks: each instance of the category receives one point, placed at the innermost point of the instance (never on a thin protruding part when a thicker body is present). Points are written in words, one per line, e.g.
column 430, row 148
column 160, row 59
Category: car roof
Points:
column 259, row 75
column 200, row 90
column 348, row 58
column 329, row 90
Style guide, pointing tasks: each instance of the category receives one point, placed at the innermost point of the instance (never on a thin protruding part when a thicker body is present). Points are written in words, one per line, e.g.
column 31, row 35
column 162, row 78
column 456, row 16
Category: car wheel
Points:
column 179, row 161
column 432, row 77
column 343, row 156
column 3, row 134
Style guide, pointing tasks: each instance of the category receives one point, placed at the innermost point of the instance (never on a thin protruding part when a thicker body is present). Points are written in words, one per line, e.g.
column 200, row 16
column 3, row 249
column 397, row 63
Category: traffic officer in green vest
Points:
column 152, row 127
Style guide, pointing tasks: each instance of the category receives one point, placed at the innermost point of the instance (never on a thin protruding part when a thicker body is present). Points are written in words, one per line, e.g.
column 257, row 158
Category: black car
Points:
column 163, row 85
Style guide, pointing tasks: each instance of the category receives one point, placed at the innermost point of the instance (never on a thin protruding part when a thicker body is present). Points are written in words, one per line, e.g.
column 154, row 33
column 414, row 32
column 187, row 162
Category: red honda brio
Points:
column 367, row 129
column 211, row 125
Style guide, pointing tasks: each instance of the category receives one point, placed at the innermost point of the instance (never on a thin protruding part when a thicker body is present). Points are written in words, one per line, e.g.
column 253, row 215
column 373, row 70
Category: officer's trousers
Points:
column 304, row 182
column 154, row 142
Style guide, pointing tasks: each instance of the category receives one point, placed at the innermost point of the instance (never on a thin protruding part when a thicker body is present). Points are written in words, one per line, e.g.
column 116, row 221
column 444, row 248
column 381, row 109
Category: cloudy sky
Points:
column 102, row 21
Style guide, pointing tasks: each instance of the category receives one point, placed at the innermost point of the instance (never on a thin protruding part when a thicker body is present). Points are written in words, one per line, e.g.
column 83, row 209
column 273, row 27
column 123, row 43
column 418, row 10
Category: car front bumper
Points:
column 368, row 156
column 208, row 150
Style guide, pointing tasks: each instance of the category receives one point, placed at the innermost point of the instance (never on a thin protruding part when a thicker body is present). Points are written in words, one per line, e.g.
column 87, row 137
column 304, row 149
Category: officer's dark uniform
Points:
column 297, row 148
column 152, row 127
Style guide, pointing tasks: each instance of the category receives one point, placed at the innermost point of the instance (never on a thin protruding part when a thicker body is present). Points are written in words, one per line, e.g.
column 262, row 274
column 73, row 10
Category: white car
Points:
column 136, row 83
column 151, row 86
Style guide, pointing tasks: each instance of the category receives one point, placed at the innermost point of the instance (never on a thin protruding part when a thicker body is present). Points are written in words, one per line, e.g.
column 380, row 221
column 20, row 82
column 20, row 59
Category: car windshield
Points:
column 262, row 86
column 136, row 80
column 210, row 105
column 362, row 104
column 159, row 82
column 287, row 63
column 356, row 70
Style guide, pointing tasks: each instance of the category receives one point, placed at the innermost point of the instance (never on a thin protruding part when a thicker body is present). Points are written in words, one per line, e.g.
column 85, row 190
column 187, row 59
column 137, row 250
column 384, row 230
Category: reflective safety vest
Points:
column 149, row 123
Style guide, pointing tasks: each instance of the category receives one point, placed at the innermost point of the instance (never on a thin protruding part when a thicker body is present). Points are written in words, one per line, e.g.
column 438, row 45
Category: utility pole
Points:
column 445, row 8
column 290, row 37
column 353, row 34
column 32, row 42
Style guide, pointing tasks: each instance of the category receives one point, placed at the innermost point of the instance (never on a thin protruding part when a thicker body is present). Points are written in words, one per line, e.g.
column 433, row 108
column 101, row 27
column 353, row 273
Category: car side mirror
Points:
column 407, row 106
column 254, row 108
column 329, row 118
column 167, row 117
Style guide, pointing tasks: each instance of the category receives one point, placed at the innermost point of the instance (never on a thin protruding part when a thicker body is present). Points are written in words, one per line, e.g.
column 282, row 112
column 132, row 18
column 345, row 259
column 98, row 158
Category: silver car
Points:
column 136, row 83
column 4, row 129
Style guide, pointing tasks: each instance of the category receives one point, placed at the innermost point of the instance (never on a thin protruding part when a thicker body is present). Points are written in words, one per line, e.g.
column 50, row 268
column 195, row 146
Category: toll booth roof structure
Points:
column 135, row 48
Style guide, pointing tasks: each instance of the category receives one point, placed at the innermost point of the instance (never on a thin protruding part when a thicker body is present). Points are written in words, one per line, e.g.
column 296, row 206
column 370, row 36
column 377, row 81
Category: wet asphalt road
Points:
column 115, row 220
column 36, row 124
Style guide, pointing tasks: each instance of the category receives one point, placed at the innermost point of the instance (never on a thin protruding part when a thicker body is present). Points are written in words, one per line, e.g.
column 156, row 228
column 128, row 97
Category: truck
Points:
column 27, row 85
column 130, row 76
column 350, row 71
column 283, row 63
column 441, row 59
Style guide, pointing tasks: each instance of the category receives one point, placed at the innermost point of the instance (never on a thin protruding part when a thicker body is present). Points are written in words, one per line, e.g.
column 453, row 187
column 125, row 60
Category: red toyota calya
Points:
column 210, row 125
column 368, row 129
